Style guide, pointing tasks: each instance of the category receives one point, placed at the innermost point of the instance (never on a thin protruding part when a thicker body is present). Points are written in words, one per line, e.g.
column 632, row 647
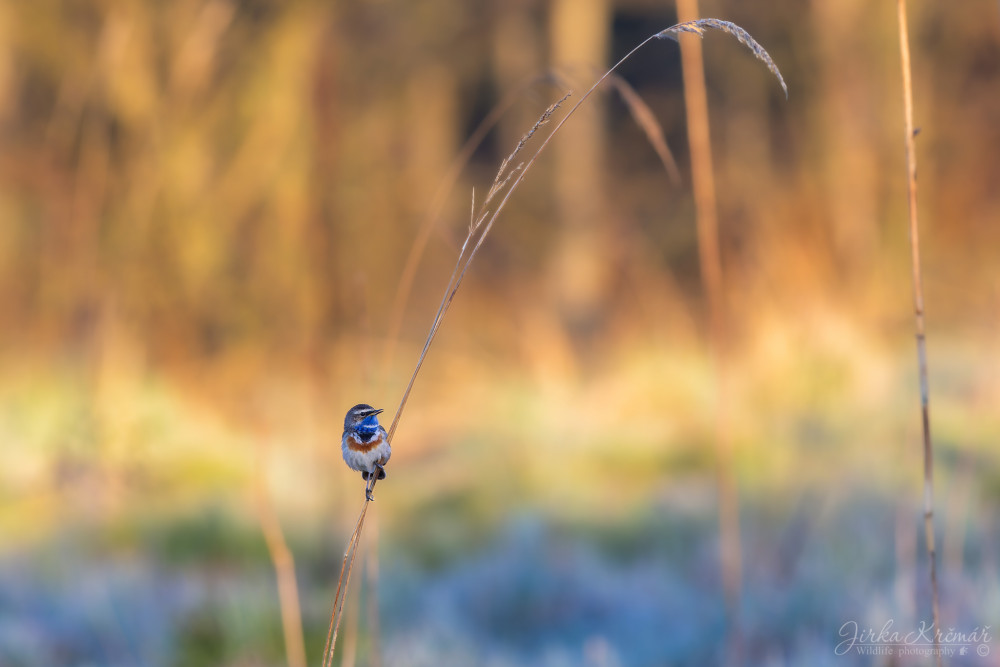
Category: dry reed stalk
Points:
column 509, row 176
column 284, row 570
column 710, row 263
column 918, row 312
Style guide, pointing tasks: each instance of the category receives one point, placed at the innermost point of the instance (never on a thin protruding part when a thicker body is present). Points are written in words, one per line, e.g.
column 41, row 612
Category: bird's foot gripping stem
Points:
column 371, row 478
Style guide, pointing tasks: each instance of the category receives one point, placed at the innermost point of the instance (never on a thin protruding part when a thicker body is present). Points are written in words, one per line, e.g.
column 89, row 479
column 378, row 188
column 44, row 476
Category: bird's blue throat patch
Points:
column 368, row 427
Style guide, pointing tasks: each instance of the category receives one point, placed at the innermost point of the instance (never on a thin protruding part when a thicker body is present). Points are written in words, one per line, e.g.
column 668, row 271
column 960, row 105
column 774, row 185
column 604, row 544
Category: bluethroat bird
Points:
column 365, row 444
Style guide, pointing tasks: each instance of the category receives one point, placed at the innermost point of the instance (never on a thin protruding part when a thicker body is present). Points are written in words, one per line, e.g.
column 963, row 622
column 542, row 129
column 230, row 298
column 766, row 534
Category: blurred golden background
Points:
column 207, row 207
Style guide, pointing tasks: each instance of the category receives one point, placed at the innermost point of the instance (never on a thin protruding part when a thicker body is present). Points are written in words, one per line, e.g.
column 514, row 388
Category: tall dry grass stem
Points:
column 509, row 176
column 710, row 263
column 918, row 312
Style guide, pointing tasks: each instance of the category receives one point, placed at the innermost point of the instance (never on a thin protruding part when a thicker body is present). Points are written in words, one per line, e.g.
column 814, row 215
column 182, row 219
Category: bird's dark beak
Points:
column 377, row 412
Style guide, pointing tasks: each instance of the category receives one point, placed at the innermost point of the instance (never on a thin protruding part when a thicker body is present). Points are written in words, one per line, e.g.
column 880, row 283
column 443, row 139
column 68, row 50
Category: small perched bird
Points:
column 365, row 444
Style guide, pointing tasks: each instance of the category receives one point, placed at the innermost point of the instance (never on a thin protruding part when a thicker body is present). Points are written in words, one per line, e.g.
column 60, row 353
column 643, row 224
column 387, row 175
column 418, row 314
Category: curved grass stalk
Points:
column 483, row 223
column 509, row 177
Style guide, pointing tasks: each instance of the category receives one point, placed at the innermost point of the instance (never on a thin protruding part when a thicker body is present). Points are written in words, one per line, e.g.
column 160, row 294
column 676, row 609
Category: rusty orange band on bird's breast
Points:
column 356, row 445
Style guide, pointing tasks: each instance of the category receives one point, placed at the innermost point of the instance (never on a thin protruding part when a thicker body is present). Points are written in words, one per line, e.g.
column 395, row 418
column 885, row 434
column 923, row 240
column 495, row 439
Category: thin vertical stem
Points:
column 702, row 176
column 918, row 311
column 710, row 262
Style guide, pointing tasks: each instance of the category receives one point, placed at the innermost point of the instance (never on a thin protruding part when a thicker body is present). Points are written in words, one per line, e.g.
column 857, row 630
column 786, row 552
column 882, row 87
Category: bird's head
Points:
column 363, row 420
